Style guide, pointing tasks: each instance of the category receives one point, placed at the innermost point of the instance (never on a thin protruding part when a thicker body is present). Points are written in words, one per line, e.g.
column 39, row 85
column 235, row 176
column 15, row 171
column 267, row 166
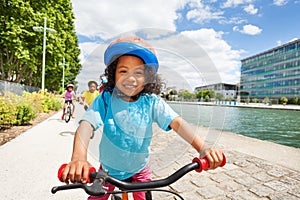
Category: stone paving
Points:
column 243, row 177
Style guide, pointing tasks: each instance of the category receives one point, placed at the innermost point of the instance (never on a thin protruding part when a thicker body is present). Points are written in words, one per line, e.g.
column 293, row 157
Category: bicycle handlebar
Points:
column 101, row 177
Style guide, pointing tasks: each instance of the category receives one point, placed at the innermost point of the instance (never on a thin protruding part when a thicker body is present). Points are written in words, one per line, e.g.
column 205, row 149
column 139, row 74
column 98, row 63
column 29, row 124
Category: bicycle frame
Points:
column 101, row 177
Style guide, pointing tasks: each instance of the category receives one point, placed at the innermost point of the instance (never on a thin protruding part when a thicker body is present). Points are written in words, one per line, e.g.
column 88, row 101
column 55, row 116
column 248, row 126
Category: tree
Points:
column 284, row 100
column 186, row 95
column 21, row 47
column 204, row 93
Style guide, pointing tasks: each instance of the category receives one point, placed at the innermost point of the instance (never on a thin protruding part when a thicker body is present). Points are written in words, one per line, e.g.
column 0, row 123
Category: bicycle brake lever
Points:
column 97, row 187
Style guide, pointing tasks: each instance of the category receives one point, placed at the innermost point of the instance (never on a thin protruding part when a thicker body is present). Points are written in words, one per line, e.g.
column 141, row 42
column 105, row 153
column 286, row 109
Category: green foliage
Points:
column 248, row 100
column 283, row 100
column 266, row 100
column 19, row 110
column 294, row 100
column 255, row 100
column 206, row 99
column 228, row 99
column 186, row 95
column 209, row 93
column 219, row 97
column 21, row 47
column 7, row 112
column 25, row 112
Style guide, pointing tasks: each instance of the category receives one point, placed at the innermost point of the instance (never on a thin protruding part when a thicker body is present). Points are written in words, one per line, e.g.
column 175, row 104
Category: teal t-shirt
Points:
column 127, row 131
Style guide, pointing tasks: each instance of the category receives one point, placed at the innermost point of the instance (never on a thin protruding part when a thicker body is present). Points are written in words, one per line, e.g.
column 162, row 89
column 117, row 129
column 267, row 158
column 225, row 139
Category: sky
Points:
column 197, row 42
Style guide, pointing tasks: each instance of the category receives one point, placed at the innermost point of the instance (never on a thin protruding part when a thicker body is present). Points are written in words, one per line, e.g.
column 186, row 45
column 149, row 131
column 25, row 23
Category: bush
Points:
column 19, row 110
column 7, row 112
column 283, row 100
column 25, row 113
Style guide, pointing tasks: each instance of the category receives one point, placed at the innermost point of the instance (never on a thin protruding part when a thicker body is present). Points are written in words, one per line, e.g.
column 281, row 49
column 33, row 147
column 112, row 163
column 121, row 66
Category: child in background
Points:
column 88, row 96
column 103, row 83
column 69, row 95
column 127, row 108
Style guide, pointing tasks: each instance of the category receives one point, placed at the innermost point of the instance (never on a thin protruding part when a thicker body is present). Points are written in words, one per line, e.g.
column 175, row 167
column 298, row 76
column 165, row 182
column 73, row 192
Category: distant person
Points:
column 69, row 95
column 103, row 83
column 89, row 95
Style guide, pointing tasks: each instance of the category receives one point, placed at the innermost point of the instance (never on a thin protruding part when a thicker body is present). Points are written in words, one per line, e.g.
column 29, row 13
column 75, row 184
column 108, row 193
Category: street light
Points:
column 63, row 75
column 43, row 29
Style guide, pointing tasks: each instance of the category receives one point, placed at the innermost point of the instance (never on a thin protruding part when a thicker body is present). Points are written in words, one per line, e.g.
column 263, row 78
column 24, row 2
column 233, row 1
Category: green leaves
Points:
column 21, row 48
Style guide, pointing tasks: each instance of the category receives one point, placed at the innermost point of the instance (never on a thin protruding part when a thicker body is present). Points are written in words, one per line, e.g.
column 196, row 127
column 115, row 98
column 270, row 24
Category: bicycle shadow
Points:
column 56, row 119
column 67, row 133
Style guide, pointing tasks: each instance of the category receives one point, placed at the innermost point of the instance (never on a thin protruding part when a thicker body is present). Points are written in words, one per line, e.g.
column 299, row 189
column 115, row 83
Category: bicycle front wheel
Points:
column 68, row 114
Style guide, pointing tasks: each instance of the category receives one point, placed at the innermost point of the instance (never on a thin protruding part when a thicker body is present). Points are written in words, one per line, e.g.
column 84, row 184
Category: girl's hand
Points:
column 214, row 157
column 76, row 171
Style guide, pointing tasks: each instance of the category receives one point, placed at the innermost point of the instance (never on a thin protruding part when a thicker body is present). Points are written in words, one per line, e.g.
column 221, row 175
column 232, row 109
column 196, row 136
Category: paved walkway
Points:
column 255, row 169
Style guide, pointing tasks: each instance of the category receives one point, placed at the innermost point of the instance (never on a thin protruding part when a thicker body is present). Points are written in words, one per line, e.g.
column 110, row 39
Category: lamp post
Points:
column 43, row 29
column 63, row 75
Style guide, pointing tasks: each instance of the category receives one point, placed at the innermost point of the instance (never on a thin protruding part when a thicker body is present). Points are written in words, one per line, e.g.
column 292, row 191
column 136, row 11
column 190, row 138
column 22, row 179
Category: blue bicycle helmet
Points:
column 131, row 46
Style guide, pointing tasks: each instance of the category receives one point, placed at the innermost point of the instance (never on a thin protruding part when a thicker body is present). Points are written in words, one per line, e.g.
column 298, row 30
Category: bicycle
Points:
column 68, row 112
column 98, row 179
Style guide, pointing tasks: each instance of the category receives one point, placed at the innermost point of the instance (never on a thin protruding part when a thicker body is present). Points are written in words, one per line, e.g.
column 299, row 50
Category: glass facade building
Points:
column 274, row 73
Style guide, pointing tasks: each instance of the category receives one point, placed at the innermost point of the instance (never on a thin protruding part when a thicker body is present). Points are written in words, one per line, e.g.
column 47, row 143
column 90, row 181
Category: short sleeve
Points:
column 96, row 113
column 163, row 114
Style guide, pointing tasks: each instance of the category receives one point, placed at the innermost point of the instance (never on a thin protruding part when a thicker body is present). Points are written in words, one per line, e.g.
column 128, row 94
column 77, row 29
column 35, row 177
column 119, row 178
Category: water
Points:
column 279, row 126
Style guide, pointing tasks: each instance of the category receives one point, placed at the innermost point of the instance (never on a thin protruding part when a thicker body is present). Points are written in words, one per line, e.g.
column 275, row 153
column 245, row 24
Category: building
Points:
column 229, row 91
column 274, row 73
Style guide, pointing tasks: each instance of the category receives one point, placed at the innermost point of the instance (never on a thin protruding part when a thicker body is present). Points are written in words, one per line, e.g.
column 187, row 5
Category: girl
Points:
column 69, row 95
column 127, row 108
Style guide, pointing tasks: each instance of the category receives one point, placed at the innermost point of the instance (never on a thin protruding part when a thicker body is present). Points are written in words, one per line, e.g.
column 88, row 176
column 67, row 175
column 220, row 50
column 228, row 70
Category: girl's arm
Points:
column 181, row 127
column 77, row 170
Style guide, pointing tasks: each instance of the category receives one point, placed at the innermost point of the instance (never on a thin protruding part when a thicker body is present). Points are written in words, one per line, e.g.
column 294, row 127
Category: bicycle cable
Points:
column 143, row 190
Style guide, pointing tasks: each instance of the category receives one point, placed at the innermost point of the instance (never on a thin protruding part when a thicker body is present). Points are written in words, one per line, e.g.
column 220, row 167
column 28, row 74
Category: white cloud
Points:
column 233, row 20
column 181, row 65
column 251, row 9
column 234, row 3
column 225, row 59
column 280, row 2
column 107, row 18
column 201, row 13
column 248, row 29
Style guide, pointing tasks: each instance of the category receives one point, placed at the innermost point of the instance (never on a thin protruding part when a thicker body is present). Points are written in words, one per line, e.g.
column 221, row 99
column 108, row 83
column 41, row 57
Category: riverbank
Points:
column 242, row 105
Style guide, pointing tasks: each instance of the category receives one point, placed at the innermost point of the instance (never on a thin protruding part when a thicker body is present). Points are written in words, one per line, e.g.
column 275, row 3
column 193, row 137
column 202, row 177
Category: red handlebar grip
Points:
column 63, row 166
column 60, row 171
column 204, row 164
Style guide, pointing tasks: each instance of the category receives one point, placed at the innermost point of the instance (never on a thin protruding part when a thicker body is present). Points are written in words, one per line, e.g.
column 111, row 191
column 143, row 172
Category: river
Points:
column 279, row 126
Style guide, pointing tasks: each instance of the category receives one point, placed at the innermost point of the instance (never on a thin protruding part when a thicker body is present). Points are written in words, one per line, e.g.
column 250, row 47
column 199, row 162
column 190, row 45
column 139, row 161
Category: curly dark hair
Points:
column 153, row 82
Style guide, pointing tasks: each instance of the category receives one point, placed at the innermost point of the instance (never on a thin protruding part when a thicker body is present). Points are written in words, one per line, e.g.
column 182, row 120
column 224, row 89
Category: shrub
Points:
column 25, row 113
column 19, row 110
column 7, row 112
column 283, row 100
